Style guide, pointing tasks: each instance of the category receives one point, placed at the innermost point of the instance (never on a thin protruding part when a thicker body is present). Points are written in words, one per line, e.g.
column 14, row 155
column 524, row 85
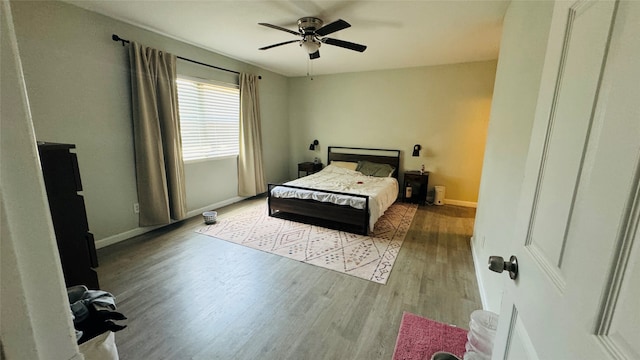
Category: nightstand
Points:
column 418, row 183
column 309, row 168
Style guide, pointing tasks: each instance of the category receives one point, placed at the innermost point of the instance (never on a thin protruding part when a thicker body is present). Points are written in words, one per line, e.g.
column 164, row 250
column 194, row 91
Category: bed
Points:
column 337, row 197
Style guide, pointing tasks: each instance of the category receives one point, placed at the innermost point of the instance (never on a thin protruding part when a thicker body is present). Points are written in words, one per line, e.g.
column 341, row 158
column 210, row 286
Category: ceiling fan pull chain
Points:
column 309, row 69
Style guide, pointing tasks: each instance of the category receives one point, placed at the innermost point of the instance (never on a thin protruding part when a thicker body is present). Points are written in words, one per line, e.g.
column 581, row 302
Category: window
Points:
column 209, row 119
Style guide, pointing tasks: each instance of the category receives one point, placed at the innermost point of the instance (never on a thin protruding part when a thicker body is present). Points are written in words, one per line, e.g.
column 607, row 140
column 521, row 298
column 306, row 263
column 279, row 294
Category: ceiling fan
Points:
column 312, row 34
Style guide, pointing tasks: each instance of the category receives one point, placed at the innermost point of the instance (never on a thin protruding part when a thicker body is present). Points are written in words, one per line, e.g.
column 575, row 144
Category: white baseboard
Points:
column 461, row 203
column 217, row 205
column 476, row 265
column 113, row 239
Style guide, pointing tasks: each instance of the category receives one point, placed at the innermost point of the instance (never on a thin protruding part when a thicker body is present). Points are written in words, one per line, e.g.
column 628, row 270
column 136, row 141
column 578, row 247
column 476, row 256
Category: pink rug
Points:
column 419, row 338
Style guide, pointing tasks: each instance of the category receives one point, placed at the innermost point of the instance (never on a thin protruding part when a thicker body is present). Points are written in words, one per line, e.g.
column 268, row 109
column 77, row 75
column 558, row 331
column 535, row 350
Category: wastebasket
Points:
column 210, row 217
column 482, row 331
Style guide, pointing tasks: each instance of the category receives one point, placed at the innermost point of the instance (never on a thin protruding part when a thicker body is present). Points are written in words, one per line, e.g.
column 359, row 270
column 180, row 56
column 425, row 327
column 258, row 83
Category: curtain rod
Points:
column 115, row 37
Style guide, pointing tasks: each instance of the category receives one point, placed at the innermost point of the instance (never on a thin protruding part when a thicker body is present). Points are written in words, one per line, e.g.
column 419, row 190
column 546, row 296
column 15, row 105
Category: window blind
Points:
column 209, row 119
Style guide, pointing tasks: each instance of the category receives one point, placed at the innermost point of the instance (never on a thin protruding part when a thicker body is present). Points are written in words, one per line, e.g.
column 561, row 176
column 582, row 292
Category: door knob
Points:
column 497, row 264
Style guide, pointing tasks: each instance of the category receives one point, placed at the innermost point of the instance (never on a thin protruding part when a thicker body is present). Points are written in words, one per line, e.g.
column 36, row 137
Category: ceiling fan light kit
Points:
column 309, row 44
column 312, row 32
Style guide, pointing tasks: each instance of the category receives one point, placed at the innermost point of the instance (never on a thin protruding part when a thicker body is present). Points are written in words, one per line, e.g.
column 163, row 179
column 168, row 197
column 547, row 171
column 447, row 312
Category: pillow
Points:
column 345, row 164
column 375, row 169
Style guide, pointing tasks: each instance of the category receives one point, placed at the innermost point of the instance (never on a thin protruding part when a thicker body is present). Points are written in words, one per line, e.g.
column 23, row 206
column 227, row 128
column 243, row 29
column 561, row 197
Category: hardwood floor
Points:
column 190, row 296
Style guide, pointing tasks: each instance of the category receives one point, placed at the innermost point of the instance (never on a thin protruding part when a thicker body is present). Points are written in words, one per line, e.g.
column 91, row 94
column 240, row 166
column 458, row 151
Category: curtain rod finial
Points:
column 115, row 37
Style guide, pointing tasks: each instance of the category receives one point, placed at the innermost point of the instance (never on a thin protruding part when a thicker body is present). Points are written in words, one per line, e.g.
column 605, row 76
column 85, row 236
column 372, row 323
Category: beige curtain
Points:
column 156, row 127
column 251, row 180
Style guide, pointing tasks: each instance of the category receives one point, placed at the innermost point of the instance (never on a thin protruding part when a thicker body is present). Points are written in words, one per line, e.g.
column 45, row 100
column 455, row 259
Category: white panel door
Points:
column 578, row 288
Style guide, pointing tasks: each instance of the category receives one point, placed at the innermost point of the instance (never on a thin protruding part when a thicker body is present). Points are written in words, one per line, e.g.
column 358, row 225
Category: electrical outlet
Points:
column 136, row 208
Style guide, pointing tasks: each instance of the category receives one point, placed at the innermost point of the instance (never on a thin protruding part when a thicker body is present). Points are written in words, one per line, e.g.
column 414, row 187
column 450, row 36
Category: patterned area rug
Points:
column 368, row 257
column 419, row 338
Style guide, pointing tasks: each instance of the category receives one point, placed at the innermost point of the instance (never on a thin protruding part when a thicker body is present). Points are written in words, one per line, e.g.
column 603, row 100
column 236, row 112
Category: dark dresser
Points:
column 75, row 243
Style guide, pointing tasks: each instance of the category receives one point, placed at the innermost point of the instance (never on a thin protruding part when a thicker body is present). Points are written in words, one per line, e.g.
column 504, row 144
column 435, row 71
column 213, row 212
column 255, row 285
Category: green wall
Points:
column 78, row 85
column 443, row 108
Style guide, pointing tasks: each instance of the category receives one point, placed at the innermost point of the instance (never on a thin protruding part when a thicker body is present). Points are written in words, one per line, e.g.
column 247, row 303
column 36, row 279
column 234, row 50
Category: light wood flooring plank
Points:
column 190, row 296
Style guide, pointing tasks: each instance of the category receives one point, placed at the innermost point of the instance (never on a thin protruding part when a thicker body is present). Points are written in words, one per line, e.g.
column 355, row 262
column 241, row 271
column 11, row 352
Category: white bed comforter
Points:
column 382, row 192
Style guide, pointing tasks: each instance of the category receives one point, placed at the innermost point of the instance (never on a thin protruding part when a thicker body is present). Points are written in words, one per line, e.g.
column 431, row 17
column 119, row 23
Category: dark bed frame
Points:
column 342, row 217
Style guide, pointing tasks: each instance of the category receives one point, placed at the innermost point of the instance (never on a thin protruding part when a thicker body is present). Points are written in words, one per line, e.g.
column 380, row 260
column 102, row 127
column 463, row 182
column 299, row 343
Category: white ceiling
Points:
column 399, row 34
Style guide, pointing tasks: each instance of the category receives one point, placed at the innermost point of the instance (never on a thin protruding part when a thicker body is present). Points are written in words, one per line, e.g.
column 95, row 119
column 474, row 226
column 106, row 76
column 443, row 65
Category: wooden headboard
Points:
column 351, row 154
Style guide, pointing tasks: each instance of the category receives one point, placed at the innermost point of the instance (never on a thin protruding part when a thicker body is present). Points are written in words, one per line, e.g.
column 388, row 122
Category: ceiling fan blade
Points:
column 278, row 44
column 314, row 55
column 345, row 44
column 332, row 27
column 280, row 28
